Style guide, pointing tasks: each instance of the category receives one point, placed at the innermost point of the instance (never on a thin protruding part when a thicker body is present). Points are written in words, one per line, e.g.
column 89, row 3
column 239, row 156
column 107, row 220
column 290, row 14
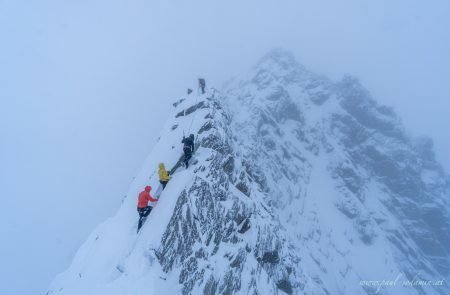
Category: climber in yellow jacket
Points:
column 164, row 175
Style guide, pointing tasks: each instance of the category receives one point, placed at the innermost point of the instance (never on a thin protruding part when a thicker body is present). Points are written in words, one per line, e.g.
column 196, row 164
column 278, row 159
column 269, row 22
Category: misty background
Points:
column 85, row 87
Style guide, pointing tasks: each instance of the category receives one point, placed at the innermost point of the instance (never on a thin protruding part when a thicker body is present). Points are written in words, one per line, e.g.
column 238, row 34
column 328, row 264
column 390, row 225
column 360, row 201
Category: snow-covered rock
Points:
column 298, row 185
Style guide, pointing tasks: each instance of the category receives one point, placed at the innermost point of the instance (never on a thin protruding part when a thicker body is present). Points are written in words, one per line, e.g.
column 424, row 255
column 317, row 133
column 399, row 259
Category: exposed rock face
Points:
column 301, row 186
column 210, row 225
column 276, row 128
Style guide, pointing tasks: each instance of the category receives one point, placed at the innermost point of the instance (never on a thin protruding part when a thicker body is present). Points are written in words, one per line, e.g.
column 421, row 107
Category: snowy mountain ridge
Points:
column 301, row 186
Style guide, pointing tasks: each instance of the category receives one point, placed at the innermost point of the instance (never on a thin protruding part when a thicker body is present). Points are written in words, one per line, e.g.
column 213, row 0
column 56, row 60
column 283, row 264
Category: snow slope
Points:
column 114, row 248
column 300, row 186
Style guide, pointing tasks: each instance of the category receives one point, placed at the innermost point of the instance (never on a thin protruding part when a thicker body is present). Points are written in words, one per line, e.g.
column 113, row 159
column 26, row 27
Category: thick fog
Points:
column 85, row 87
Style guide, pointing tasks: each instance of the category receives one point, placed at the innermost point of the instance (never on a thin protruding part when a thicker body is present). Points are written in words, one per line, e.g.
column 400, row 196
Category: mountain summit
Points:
column 298, row 185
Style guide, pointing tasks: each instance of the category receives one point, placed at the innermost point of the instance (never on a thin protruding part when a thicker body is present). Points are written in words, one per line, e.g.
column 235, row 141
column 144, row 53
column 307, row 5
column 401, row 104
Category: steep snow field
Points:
column 114, row 248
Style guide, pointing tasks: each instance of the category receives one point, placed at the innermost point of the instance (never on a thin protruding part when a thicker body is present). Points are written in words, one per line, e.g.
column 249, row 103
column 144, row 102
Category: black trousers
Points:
column 187, row 156
column 143, row 213
column 163, row 183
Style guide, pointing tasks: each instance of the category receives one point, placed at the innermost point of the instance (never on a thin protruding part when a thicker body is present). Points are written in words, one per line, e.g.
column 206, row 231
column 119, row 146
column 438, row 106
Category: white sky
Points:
column 86, row 85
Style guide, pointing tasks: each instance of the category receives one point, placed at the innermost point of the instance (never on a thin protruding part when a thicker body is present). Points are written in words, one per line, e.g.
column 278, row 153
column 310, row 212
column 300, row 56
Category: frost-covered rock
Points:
column 299, row 186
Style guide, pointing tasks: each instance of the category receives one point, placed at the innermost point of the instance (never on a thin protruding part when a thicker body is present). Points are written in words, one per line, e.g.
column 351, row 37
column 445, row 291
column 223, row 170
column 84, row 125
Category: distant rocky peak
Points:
column 278, row 56
column 278, row 66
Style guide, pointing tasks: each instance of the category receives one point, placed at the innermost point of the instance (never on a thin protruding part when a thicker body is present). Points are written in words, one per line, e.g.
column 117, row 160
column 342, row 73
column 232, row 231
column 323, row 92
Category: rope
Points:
column 153, row 174
column 193, row 117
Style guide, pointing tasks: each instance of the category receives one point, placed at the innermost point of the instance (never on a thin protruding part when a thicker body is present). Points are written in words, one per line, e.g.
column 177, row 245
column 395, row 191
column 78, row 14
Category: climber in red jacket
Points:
column 143, row 208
